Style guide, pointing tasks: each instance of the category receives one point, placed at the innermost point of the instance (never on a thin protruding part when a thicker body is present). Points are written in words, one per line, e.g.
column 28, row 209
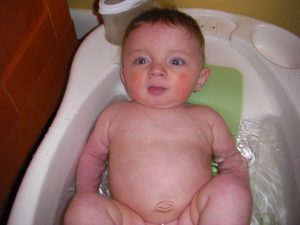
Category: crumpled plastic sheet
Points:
column 248, row 141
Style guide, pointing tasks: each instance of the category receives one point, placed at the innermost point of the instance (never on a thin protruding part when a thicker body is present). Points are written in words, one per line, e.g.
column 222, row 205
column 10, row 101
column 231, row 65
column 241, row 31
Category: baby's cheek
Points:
column 184, row 86
column 134, row 85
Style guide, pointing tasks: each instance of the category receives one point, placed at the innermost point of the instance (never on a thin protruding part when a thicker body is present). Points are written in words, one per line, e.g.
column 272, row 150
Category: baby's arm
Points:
column 225, row 152
column 92, row 159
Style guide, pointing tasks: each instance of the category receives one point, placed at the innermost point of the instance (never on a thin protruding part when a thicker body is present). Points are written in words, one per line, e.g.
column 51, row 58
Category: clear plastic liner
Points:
column 248, row 141
column 104, row 186
column 257, row 142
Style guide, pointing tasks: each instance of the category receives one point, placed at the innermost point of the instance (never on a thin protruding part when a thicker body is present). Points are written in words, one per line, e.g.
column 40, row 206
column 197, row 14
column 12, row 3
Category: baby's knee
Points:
column 233, row 191
column 87, row 206
column 77, row 207
column 227, row 198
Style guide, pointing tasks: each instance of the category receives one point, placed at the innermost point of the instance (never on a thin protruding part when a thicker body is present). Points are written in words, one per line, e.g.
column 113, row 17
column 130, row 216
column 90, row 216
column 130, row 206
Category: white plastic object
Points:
column 116, row 17
column 124, row 5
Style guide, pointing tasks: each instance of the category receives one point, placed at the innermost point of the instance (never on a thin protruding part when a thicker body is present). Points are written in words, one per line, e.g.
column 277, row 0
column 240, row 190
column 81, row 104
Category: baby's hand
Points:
column 234, row 163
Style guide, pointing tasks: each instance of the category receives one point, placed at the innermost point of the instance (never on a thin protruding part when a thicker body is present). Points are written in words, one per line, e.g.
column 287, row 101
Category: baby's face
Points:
column 161, row 65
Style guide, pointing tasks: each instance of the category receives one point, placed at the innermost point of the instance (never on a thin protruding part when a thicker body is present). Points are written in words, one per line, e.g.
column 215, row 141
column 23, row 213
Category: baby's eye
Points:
column 176, row 61
column 141, row 61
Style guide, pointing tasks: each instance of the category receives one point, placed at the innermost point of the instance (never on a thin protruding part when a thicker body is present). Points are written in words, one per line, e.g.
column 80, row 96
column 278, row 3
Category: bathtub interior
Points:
column 270, row 99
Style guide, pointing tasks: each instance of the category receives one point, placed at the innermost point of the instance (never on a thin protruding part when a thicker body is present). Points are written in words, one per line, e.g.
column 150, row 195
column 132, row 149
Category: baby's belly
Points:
column 158, row 187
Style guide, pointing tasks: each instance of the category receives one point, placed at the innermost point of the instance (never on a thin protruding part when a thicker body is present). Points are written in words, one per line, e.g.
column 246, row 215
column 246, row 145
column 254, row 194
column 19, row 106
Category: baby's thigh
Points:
column 223, row 198
column 92, row 208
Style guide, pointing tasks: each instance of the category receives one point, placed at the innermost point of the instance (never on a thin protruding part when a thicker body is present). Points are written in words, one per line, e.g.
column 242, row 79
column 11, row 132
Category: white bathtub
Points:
column 266, row 55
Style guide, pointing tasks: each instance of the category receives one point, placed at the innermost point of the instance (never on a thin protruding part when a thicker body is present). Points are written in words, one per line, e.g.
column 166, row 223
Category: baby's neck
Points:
column 154, row 107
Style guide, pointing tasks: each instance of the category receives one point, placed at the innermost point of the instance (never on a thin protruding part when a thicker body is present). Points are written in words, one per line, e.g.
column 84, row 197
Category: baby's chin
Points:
column 161, row 105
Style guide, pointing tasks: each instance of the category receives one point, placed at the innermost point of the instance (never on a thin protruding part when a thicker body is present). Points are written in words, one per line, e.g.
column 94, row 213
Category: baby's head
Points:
column 170, row 17
column 163, row 58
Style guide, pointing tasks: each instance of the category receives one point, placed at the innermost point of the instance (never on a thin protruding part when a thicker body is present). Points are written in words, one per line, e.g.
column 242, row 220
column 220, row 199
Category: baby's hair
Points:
column 168, row 16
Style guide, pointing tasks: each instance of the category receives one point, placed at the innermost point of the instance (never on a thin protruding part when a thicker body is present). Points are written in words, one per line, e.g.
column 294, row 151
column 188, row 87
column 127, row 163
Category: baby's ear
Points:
column 204, row 74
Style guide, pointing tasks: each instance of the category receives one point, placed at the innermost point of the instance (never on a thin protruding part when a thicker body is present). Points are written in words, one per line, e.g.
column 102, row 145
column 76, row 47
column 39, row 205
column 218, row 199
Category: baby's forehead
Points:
column 154, row 29
column 162, row 24
column 160, row 29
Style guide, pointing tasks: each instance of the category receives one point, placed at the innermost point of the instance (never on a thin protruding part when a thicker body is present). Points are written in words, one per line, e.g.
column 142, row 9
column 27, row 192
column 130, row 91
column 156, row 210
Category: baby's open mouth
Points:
column 156, row 90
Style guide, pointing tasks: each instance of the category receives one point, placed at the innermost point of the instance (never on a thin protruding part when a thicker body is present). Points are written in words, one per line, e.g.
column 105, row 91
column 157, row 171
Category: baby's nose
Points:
column 157, row 70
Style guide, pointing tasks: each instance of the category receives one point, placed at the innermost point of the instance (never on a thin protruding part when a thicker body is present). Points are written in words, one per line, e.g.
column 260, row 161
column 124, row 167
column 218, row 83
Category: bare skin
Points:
column 160, row 147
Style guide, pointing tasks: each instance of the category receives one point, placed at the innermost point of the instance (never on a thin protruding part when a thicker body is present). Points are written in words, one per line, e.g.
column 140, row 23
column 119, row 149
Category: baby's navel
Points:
column 165, row 206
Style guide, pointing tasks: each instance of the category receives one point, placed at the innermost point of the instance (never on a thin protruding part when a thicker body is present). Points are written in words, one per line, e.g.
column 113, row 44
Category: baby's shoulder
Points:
column 207, row 113
column 213, row 117
column 115, row 109
column 116, row 106
column 111, row 111
column 203, row 109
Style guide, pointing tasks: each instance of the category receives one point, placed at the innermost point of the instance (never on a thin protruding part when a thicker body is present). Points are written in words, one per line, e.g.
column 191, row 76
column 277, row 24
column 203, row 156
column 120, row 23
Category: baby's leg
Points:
column 94, row 209
column 223, row 200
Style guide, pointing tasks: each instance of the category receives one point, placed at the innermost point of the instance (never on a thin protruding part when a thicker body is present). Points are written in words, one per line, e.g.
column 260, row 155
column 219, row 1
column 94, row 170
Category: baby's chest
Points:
column 160, row 148
column 163, row 128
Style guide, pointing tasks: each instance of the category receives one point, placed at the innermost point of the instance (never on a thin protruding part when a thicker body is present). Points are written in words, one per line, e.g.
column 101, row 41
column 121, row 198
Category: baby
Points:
column 160, row 147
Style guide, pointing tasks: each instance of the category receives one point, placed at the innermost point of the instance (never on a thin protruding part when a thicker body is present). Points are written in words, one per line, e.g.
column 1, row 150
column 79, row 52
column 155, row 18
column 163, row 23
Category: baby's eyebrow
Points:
column 136, row 51
column 183, row 52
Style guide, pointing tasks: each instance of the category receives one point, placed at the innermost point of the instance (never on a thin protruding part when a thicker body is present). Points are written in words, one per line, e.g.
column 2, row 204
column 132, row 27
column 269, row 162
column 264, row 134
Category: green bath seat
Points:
column 224, row 93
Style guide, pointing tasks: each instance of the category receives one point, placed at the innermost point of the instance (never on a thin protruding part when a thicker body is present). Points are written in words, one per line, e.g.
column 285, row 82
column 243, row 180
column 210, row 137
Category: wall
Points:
column 284, row 13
